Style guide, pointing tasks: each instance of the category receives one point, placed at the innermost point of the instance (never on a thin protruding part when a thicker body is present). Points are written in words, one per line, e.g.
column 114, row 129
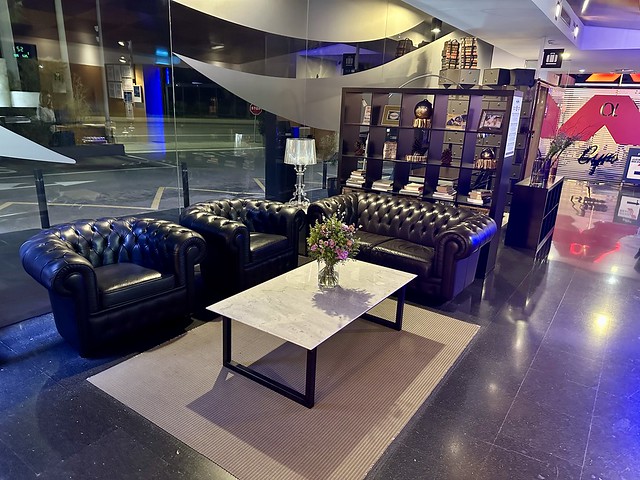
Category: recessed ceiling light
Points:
column 581, row 70
column 217, row 46
column 121, row 43
column 565, row 55
column 122, row 59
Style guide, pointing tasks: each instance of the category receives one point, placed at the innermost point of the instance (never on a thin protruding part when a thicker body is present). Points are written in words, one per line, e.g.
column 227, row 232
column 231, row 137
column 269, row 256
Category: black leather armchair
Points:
column 440, row 244
column 111, row 278
column 248, row 242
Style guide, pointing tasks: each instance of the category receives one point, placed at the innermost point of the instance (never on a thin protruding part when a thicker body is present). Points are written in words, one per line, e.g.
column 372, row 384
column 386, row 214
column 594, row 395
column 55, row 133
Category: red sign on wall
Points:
column 255, row 110
column 618, row 113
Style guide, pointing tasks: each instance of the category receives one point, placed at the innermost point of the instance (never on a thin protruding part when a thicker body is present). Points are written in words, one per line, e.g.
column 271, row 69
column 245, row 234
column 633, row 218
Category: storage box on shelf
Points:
column 445, row 153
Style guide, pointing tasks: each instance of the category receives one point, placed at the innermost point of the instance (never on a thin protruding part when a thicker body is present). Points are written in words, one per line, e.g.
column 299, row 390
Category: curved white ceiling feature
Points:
column 16, row 146
column 333, row 20
column 316, row 101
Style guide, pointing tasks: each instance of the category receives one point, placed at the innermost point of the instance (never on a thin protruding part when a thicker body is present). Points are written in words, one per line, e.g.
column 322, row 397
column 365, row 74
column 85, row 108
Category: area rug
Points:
column 370, row 381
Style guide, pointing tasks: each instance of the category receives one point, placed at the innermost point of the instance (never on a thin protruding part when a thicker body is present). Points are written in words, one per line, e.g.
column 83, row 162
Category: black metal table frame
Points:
column 308, row 397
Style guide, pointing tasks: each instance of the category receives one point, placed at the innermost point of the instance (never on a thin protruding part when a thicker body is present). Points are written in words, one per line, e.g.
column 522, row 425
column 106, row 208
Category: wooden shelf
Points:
column 465, row 145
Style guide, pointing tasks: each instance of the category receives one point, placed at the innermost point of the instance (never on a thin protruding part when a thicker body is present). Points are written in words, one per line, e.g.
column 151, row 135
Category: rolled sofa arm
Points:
column 220, row 233
column 463, row 239
column 167, row 246
column 54, row 264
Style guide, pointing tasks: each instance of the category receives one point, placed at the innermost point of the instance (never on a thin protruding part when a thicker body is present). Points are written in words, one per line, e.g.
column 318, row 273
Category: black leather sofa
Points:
column 248, row 242
column 114, row 278
column 440, row 244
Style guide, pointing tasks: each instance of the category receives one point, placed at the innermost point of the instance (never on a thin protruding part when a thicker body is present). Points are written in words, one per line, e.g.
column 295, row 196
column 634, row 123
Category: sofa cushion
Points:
column 404, row 255
column 263, row 246
column 369, row 240
column 119, row 283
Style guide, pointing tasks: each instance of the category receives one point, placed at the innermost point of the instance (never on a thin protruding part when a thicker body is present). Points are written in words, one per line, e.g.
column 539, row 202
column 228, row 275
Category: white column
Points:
column 64, row 51
column 5, row 92
column 6, row 40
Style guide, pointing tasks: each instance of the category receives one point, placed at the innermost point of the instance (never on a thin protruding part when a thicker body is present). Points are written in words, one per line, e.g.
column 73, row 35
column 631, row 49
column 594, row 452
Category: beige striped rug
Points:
column 370, row 381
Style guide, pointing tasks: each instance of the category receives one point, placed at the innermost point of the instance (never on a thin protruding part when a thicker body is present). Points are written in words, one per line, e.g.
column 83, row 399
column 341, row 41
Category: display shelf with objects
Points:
column 406, row 141
column 532, row 216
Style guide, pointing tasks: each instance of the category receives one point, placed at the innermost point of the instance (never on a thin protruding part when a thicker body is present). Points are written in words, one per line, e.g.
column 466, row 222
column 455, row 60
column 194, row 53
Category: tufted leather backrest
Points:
column 412, row 220
column 256, row 215
column 106, row 241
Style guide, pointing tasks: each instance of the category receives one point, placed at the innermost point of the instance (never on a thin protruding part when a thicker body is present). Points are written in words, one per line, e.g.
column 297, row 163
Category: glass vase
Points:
column 327, row 274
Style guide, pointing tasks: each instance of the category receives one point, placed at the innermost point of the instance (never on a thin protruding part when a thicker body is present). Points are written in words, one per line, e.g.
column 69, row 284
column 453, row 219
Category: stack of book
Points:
column 469, row 52
column 356, row 179
column 444, row 192
column 412, row 188
column 479, row 197
column 382, row 185
column 450, row 54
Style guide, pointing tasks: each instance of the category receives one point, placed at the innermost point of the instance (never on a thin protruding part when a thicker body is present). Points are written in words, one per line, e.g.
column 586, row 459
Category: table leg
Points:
column 397, row 325
column 307, row 399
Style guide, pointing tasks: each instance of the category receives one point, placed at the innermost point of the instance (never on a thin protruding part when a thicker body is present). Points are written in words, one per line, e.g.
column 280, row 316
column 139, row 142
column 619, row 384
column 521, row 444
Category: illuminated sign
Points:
column 25, row 50
column 618, row 113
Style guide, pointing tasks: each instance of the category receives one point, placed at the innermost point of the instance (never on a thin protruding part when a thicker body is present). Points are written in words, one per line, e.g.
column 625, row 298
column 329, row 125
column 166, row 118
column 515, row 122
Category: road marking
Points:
column 260, row 184
column 83, row 205
column 10, row 186
column 13, row 186
column 69, row 184
column 215, row 191
column 87, row 172
column 5, row 205
column 156, row 200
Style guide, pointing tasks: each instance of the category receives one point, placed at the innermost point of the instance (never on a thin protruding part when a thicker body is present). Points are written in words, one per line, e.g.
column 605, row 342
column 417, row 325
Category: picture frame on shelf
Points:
column 391, row 116
column 491, row 121
column 456, row 121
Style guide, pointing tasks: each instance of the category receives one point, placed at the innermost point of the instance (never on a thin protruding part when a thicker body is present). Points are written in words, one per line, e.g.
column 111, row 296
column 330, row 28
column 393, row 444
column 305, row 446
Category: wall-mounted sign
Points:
column 24, row 50
column 618, row 113
column 348, row 63
column 632, row 170
column 552, row 58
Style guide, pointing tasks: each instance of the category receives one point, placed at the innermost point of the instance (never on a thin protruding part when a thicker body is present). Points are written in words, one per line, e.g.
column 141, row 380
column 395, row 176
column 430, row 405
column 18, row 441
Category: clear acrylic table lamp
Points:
column 300, row 152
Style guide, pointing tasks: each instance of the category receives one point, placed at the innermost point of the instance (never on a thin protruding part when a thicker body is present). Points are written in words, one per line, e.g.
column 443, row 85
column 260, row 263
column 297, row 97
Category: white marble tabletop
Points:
column 293, row 308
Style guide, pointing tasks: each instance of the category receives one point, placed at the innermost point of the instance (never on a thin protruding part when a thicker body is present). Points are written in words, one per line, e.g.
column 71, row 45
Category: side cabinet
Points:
column 532, row 217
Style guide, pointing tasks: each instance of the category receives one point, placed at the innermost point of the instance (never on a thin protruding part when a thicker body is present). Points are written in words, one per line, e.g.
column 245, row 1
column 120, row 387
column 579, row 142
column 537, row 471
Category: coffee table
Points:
column 292, row 307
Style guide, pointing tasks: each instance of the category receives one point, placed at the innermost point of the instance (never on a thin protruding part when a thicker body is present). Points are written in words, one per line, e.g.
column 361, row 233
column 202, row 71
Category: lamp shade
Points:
column 300, row 151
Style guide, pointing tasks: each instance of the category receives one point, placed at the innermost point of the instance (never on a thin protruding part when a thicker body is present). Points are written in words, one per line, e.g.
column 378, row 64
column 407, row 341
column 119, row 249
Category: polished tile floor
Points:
column 550, row 388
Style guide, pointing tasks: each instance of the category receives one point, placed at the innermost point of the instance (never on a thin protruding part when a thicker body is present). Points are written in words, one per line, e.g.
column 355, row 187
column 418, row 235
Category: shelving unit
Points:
column 532, row 217
column 455, row 126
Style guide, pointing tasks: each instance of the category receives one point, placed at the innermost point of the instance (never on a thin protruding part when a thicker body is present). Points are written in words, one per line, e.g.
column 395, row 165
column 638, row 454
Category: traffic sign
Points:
column 255, row 110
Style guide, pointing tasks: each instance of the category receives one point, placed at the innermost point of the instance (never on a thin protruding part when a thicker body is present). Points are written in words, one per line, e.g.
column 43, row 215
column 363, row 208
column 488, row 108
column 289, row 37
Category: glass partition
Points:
column 117, row 103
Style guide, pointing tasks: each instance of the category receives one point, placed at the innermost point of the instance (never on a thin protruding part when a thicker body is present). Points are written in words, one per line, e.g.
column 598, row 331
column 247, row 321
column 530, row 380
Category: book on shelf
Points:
column 389, row 150
column 412, row 189
column 366, row 117
column 446, row 189
column 479, row 197
column 444, row 196
column 383, row 185
column 356, row 179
